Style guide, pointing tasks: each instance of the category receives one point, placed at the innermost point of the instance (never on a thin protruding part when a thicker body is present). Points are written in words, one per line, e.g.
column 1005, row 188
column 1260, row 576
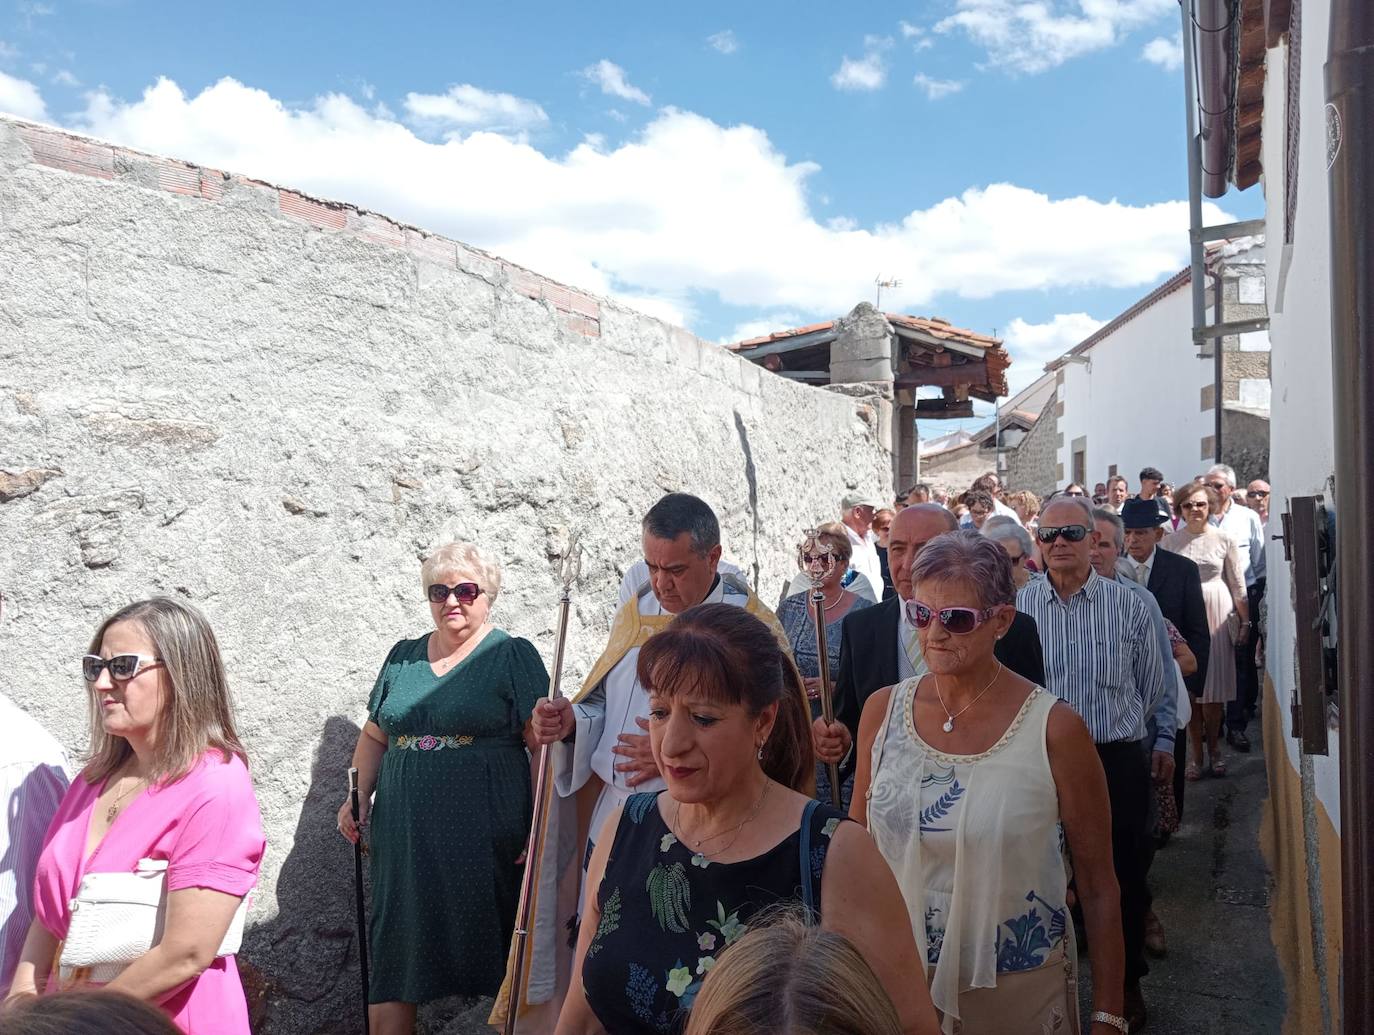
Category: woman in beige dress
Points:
column 1223, row 593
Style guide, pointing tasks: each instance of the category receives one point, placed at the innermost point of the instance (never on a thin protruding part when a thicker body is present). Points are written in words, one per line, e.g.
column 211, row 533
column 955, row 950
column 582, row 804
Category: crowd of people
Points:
column 1011, row 682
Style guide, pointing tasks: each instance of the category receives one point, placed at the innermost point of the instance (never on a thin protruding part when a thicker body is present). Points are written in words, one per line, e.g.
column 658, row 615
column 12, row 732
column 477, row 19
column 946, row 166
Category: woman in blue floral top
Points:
column 679, row 875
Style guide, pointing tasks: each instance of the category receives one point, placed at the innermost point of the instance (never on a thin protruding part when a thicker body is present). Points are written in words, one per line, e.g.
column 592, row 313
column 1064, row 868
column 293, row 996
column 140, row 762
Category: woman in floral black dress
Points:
column 677, row 876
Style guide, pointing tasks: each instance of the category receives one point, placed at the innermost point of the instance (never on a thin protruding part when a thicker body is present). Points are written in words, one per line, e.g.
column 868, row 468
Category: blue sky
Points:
column 735, row 167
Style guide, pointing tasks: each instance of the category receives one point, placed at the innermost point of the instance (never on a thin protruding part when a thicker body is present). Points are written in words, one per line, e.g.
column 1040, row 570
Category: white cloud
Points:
column 467, row 107
column 1032, row 345
column 611, row 78
column 8, row 52
column 937, row 88
column 759, row 326
column 65, row 78
column 910, row 31
column 20, row 97
column 1165, row 52
column 1033, row 37
column 724, row 41
column 684, row 209
column 866, row 73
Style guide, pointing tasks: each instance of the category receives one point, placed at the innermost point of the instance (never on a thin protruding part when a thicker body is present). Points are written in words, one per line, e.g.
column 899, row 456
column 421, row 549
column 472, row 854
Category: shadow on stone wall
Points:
column 300, row 969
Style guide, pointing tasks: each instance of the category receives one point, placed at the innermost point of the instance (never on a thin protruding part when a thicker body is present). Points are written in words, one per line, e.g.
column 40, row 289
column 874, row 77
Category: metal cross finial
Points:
column 815, row 557
column 570, row 567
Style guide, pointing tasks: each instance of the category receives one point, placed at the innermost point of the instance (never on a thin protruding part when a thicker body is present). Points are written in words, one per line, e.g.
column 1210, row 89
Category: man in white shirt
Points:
column 1243, row 525
column 34, row 774
column 856, row 514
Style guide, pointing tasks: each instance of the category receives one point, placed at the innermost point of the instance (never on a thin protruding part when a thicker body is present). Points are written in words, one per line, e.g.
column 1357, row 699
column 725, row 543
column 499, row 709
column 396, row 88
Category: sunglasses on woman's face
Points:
column 1049, row 533
column 958, row 620
column 123, row 667
column 1197, row 505
column 466, row 592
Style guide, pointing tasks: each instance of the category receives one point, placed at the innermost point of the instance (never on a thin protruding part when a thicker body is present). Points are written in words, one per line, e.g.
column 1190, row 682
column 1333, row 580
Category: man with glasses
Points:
column 856, row 514
column 34, row 774
column 1244, row 526
column 879, row 647
column 1257, row 498
column 1102, row 660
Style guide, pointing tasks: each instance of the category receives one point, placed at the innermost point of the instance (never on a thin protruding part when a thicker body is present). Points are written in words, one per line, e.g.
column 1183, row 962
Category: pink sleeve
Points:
column 220, row 843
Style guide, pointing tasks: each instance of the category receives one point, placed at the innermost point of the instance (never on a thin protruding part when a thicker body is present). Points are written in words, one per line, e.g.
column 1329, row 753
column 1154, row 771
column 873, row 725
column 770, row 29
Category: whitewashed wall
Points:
column 1302, row 442
column 1139, row 404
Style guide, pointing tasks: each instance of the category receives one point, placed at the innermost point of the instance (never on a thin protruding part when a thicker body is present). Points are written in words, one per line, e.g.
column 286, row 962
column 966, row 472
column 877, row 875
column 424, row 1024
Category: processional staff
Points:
column 359, row 850
column 817, row 560
column 571, row 571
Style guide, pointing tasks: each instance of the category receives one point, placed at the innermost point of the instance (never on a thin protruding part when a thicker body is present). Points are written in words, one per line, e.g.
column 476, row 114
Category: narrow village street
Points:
column 1212, row 890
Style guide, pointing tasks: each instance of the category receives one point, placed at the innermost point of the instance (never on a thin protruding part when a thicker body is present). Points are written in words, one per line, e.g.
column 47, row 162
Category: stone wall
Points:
column 272, row 406
column 1033, row 464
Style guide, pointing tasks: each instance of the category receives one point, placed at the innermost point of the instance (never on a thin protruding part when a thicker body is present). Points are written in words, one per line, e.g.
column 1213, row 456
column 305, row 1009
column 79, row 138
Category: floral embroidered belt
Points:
column 429, row 742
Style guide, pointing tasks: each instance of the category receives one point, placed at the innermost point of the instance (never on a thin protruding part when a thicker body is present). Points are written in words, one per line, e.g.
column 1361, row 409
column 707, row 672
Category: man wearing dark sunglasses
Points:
column 34, row 774
column 878, row 645
column 1102, row 660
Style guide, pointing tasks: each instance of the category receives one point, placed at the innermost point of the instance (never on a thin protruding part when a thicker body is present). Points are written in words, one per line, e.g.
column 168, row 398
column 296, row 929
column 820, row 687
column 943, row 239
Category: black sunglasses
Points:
column 123, row 667
column 1049, row 533
column 1257, row 494
column 466, row 592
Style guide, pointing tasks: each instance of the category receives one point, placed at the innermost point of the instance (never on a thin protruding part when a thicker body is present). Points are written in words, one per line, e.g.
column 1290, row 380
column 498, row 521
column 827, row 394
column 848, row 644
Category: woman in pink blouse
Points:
column 167, row 780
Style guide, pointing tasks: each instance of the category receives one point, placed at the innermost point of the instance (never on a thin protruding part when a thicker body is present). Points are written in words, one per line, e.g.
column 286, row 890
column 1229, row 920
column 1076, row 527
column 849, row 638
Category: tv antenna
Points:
column 889, row 282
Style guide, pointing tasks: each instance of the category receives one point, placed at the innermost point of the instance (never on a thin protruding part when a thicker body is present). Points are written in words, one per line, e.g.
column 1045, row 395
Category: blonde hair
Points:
column 788, row 977
column 197, row 714
column 466, row 561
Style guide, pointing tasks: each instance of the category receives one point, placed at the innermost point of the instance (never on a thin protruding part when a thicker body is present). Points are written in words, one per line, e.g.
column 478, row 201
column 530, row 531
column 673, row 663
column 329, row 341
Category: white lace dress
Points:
column 976, row 845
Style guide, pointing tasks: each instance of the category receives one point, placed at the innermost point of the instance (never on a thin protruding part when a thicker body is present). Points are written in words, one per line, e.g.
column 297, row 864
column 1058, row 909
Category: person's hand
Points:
column 551, row 721
column 831, row 741
column 347, row 827
column 639, row 756
column 1162, row 766
column 813, row 687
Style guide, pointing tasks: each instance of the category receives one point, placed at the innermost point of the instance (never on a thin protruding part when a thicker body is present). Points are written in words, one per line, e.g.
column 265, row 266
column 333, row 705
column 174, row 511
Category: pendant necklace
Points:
column 948, row 726
column 697, row 842
column 113, row 810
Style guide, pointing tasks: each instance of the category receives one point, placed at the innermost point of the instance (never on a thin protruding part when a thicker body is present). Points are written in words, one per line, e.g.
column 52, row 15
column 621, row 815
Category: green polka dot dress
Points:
column 450, row 817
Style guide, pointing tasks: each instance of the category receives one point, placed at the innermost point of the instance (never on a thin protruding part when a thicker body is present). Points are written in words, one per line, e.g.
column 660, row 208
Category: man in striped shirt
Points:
column 1101, row 659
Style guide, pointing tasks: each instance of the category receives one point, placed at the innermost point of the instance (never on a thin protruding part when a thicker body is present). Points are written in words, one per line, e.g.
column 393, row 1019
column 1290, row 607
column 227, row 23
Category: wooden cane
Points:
column 817, row 559
column 358, row 850
column 827, row 705
column 572, row 566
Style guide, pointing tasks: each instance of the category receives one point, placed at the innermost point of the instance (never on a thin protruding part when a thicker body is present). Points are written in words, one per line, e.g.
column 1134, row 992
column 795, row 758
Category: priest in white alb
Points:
column 601, row 752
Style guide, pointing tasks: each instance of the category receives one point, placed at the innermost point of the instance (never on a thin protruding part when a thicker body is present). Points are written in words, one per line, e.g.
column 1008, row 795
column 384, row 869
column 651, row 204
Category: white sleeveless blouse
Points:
column 975, row 844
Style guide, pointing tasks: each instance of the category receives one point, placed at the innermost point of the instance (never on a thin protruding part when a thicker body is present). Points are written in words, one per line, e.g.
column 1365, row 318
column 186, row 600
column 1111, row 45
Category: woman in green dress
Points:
column 444, row 750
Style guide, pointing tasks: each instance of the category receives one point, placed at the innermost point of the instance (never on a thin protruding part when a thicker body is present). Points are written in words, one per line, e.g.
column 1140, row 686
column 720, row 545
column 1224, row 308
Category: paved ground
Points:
column 1212, row 889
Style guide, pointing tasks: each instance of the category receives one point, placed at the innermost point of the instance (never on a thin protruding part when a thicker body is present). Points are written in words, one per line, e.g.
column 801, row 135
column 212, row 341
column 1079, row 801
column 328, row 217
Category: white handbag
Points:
column 117, row 917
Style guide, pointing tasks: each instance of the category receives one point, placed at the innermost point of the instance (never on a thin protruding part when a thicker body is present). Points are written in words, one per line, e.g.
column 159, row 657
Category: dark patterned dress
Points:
column 667, row 913
column 450, row 818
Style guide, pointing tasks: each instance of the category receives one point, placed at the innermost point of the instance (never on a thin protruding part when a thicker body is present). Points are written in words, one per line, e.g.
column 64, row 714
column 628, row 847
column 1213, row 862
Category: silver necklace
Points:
column 753, row 814
column 948, row 727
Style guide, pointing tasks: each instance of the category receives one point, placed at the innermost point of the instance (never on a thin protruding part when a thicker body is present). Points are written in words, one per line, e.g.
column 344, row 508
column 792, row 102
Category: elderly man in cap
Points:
column 856, row 514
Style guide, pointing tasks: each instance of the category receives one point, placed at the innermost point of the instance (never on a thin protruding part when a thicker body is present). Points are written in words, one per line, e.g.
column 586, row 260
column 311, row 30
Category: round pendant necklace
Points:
column 948, row 726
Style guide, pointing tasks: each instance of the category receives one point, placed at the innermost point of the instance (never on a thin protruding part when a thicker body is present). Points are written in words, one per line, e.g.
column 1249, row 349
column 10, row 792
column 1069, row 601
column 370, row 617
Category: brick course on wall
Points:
column 272, row 405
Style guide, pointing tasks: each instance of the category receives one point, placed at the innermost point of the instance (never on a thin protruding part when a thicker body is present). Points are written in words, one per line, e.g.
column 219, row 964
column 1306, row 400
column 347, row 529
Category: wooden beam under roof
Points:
column 974, row 373
column 942, row 409
column 791, row 344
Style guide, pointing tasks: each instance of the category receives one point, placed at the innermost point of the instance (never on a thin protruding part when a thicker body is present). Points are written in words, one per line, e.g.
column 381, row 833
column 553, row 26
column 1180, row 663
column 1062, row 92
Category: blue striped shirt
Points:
column 1100, row 654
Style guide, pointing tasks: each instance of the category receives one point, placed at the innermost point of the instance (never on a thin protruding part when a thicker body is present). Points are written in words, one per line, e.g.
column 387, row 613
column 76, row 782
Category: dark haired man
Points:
column 1151, row 478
